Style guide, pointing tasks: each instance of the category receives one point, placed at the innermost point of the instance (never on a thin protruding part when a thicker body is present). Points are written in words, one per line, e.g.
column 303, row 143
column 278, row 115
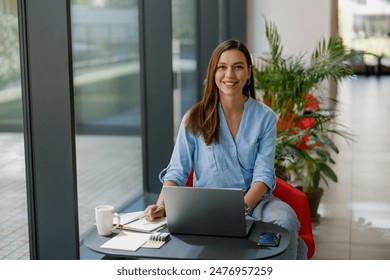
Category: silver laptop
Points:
column 206, row 211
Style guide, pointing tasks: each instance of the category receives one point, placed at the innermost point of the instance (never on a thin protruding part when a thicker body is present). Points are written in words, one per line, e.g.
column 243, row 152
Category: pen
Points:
column 159, row 208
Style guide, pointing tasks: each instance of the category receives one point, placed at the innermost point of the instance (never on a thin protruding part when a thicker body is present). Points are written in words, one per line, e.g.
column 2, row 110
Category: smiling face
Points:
column 232, row 73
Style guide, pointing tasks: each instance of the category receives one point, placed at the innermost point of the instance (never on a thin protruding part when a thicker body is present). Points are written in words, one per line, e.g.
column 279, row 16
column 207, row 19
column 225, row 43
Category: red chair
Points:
column 298, row 201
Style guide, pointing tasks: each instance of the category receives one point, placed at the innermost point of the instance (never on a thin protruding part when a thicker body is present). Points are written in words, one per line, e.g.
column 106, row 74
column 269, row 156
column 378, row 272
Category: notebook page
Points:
column 144, row 225
column 127, row 240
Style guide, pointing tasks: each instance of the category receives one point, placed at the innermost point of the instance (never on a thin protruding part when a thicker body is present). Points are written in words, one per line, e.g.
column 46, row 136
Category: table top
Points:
column 182, row 246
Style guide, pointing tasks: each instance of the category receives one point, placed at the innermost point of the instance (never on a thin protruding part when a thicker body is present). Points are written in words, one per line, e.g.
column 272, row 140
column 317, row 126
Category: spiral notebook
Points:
column 132, row 241
column 156, row 240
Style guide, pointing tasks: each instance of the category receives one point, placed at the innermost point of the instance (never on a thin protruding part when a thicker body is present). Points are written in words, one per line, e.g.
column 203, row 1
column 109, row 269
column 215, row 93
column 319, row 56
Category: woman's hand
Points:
column 154, row 212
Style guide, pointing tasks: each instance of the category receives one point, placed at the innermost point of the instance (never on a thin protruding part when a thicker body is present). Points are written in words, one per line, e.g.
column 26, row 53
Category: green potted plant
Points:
column 293, row 87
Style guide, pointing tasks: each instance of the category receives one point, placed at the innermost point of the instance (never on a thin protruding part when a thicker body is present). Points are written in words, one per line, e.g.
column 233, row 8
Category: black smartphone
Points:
column 269, row 239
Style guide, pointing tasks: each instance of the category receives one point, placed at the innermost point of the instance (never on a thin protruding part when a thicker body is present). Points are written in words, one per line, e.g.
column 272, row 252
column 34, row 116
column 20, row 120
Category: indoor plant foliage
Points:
column 293, row 87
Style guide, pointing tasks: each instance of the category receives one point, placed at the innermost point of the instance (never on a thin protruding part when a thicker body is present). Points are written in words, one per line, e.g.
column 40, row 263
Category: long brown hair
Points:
column 203, row 117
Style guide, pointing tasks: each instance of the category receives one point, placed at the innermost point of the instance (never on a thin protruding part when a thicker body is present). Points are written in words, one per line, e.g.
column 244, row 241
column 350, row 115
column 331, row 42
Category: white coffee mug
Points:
column 104, row 215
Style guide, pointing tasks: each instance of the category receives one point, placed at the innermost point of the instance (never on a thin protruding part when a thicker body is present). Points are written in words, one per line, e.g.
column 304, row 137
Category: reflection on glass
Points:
column 13, row 207
column 184, row 57
column 365, row 27
column 107, row 104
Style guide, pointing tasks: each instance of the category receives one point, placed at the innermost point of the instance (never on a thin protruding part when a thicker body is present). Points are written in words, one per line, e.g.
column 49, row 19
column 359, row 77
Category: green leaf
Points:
column 316, row 179
column 327, row 171
column 306, row 183
column 327, row 141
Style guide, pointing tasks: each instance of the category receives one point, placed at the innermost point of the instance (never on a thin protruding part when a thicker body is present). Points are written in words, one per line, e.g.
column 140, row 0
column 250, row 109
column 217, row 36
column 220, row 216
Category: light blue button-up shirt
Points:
column 233, row 163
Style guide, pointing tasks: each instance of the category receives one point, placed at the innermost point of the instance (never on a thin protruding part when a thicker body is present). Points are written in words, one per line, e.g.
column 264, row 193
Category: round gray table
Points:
column 192, row 247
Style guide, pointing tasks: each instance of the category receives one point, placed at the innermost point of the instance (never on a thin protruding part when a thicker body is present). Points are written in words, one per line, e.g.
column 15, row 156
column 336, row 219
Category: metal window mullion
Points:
column 47, row 95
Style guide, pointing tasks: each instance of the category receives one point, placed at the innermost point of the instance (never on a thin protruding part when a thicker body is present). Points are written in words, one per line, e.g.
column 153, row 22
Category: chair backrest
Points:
column 299, row 203
column 190, row 180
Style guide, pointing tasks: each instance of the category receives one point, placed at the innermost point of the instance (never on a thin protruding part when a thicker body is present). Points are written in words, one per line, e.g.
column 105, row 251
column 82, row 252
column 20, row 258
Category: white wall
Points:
column 300, row 23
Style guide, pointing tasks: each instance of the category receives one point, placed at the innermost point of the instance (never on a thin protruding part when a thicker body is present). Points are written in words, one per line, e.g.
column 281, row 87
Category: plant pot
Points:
column 314, row 197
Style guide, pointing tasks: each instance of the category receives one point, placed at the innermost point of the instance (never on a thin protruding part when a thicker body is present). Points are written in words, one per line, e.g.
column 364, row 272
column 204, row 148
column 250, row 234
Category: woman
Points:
column 228, row 139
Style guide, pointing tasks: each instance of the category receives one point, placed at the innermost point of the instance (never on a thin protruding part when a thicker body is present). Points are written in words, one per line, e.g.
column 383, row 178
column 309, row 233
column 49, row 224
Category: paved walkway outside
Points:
column 109, row 172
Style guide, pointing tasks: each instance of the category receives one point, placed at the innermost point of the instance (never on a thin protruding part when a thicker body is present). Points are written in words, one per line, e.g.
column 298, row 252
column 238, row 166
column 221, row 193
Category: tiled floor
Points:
column 355, row 222
column 355, row 212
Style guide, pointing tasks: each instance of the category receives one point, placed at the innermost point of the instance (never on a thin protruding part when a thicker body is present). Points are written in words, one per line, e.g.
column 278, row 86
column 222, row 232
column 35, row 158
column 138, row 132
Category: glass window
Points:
column 107, row 104
column 365, row 27
column 184, row 58
column 13, row 207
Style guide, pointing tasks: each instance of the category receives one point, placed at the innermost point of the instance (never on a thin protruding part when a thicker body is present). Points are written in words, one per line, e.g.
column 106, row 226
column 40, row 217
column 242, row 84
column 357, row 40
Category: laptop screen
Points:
column 205, row 211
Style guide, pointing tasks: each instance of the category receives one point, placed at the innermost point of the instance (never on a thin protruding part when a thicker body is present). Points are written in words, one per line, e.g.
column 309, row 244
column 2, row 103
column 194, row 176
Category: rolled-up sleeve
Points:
column 264, row 170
